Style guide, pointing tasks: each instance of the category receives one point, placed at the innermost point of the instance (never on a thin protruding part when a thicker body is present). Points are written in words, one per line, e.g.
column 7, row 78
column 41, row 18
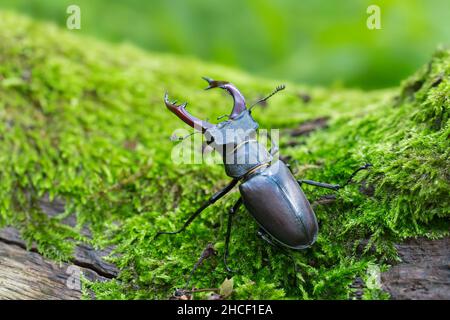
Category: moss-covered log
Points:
column 84, row 123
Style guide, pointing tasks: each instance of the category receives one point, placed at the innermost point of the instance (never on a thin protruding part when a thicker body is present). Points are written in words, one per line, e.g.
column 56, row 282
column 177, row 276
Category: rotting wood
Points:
column 423, row 273
column 309, row 126
column 27, row 275
column 84, row 254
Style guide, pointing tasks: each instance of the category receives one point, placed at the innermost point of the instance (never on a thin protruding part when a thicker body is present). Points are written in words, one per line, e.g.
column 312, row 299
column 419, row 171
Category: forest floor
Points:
column 87, row 178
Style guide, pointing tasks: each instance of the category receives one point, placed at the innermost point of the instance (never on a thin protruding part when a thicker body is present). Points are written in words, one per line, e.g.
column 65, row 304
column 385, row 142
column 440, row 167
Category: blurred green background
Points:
column 314, row 42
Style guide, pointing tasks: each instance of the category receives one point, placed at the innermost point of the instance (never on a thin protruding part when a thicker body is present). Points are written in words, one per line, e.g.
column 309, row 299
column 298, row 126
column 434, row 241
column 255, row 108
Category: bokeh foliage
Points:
column 313, row 41
column 84, row 122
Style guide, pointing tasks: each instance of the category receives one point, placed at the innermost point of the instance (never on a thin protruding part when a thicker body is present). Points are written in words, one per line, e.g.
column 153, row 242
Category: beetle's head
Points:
column 239, row 127
column 226, row 135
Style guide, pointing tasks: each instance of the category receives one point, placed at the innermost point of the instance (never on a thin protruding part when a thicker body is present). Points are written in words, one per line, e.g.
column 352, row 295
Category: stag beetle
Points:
column 267, row 187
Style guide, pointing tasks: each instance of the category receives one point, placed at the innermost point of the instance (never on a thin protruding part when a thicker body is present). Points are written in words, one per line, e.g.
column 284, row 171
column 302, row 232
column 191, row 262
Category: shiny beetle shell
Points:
column 276, row 201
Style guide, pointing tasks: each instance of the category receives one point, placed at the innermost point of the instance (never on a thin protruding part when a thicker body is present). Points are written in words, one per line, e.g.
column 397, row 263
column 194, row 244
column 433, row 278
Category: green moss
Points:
column 79, row 118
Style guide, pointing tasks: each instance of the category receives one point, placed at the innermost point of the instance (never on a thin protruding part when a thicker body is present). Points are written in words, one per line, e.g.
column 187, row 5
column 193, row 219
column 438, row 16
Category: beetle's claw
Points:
column 238, row 98
column 214, row 83
column 181, row 112
column 179, row 292
column 209, row 80
column 173, row 105
column 229, row 270
column 225, row 262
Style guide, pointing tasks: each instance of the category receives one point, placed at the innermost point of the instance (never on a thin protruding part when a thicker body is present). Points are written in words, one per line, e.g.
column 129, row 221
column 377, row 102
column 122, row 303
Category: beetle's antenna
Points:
column 277, row 89
column 223, row 116
column 176, row 138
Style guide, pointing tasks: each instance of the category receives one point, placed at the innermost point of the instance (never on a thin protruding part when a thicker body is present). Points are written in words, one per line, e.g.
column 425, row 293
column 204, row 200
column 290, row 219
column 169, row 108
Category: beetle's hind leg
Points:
column 231, row 213
column 334, row 186
column 266, row 237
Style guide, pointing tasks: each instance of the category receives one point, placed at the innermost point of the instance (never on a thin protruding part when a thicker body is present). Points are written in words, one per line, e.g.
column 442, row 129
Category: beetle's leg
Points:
column 364, row 167
column 231, row 213
column 320, row 184
column 266, row 237
column 210, row 201
column 334, row 186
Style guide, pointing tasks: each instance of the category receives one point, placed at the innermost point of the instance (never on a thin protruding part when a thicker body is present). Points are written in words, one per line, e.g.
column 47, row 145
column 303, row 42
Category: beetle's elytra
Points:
column 268, row 189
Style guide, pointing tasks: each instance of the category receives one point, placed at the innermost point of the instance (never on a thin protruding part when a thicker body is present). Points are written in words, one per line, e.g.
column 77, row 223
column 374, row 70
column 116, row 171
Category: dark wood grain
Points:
column 84, row 254
column 28, row 275
column 25, row 274
column 423, row 273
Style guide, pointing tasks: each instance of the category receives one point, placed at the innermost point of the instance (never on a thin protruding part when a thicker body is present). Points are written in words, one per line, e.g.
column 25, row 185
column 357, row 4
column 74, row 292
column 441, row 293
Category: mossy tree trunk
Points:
column 83, row 123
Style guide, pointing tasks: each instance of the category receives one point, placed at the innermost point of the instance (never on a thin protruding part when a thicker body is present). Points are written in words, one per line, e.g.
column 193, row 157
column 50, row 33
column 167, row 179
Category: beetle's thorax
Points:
column 235, row 139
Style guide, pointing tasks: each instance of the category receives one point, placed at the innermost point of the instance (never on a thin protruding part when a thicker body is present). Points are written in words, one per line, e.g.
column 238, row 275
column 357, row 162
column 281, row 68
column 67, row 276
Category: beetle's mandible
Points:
column 269, row 191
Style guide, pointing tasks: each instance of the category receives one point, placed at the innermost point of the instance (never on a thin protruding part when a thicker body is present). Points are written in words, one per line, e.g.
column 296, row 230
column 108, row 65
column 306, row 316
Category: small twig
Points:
column 208, row 252
column 202, row 290
column 326, row 199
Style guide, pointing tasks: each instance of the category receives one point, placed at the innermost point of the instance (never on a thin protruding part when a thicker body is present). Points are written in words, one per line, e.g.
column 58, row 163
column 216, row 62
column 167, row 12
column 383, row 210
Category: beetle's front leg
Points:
column 210, row 201
column 231, row 213
column 334, row 186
